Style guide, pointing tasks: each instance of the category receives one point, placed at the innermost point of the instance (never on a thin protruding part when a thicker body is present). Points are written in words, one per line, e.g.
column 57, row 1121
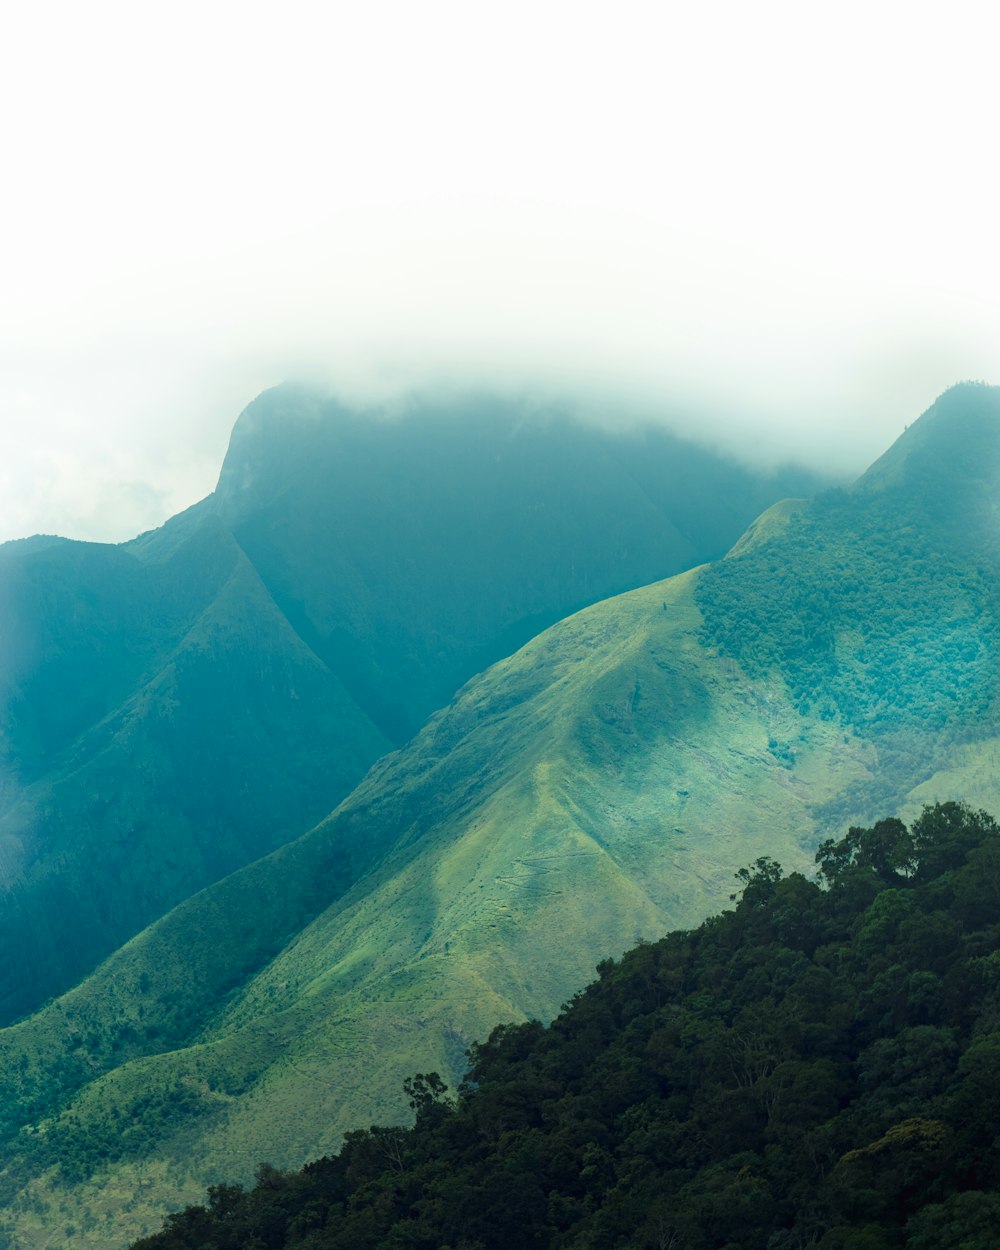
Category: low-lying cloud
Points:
column 766, row 231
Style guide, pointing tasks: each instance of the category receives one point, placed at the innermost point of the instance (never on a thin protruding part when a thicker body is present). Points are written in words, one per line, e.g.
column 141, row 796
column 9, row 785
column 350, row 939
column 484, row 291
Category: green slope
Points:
column 175, row 707
column 230, row 737
column 815, row 1067
column 879, row 606
column 595, row 788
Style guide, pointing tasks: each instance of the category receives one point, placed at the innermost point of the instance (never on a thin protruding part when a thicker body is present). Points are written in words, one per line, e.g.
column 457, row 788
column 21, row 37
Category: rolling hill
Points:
column 592, row 789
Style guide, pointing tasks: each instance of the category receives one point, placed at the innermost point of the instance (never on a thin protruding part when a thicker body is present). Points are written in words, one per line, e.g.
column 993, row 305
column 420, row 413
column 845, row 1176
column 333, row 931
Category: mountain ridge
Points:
column 348, row 576
column 595, row 786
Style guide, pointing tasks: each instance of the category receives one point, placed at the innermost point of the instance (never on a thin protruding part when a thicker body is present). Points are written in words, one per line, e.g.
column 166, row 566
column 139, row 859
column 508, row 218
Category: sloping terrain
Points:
column 596, row 787
column 199, row 734
column 879, row 606
column 413, row 549
column 814, row 1068
column 175, row 707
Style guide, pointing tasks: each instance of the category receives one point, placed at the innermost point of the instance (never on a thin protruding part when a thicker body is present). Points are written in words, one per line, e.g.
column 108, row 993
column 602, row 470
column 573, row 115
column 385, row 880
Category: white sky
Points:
column 777, row 222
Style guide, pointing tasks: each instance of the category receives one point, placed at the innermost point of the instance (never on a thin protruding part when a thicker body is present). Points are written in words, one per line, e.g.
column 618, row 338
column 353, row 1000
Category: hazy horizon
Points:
column 771, row 230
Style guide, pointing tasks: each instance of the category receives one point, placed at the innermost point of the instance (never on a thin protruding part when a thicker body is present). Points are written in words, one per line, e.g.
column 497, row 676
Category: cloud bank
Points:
column 769, row 226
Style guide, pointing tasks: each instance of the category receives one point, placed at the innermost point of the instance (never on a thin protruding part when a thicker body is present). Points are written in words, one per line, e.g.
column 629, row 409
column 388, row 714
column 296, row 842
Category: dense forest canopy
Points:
column 815, row 1068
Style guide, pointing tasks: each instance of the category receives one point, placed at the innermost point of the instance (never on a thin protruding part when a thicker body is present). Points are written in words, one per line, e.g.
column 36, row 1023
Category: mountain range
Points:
column 594, row 788
column 177, row 706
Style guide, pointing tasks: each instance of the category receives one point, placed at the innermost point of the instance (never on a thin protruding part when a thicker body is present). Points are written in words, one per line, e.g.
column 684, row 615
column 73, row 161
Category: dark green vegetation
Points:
column 817, row 1068
column 178, row 706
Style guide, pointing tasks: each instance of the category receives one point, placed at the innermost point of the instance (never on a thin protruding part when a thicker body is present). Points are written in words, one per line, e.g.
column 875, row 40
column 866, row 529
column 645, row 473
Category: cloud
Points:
column 772, row 228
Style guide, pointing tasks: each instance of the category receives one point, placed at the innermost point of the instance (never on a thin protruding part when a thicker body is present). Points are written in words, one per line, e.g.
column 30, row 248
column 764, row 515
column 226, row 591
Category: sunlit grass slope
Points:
column 592, row 790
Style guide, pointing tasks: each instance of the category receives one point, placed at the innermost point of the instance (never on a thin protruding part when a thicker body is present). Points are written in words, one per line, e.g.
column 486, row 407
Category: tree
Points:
column 759, row 881
column 886, row 849
column 426, row 1093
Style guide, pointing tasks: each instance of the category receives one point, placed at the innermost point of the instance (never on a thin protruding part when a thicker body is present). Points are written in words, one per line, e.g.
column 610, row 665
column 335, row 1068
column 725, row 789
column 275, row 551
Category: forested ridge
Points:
column 817, row 1067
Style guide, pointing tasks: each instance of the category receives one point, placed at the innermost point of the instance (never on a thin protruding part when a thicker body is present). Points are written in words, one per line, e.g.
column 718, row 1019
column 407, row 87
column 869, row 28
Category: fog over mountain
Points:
column 758, row 226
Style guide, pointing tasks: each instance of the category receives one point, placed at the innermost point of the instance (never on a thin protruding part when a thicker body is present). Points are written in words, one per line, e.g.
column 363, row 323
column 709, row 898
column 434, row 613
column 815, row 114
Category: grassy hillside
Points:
column 175, row 707
column 594, row 789
column 815, row 1067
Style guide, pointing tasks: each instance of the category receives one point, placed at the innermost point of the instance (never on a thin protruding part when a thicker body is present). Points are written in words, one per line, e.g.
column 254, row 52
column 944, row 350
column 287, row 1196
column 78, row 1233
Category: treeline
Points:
column 818, row 1067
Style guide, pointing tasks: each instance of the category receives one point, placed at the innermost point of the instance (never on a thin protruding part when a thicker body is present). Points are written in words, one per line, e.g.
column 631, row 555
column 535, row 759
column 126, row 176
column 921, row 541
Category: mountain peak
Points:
column 266, row 442
column 955, row 443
